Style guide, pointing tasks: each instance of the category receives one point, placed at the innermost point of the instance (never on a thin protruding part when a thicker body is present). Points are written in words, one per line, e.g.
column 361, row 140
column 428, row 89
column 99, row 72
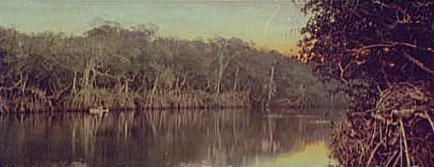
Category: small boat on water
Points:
column 98, row 110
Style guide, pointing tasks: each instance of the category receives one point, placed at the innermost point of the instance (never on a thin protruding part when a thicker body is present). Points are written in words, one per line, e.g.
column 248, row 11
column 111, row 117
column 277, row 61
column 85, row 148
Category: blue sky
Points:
column 272, row 24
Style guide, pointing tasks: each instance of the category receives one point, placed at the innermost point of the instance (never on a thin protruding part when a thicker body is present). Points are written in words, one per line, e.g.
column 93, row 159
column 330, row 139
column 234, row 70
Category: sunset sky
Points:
column 272, row 24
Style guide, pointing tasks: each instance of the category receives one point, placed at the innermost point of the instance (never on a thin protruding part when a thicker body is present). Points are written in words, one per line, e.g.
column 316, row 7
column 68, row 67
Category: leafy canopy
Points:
column 376, row 41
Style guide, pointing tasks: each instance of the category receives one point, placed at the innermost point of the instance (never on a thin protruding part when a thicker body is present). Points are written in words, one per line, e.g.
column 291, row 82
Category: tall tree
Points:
column 369, row 43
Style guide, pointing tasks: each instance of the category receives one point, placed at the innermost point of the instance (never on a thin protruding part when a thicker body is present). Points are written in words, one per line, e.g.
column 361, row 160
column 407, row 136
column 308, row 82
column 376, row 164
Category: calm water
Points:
column 167, row 139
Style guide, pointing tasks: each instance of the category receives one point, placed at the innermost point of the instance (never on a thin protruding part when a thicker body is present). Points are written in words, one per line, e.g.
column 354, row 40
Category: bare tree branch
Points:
column 390, row 44
column 417, row 62
column 342, row 73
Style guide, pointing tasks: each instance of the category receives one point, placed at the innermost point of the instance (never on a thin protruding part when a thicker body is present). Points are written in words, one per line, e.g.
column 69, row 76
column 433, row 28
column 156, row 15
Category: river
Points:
column 187, row 138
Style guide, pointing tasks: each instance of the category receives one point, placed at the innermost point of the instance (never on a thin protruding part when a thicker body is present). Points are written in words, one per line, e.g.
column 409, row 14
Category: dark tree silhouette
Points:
column 382, row 50
column 369, row 44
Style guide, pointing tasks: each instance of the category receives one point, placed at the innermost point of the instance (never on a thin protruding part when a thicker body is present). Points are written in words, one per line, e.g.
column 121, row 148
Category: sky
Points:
column 270, row 24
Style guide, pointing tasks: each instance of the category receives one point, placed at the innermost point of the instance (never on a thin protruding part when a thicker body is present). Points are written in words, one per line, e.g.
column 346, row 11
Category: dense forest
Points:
column 382, row 51
column 121, row 68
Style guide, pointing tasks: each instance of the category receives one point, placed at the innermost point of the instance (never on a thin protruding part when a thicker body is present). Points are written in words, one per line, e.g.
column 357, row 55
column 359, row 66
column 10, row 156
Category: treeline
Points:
column 133, row 67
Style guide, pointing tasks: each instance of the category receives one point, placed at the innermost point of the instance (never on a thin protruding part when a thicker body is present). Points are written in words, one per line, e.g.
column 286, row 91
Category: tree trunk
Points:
column 222, row 67
column 236, row 79
column 87, row 84
column 219, row 81
column 153, row 92
column 270, row 86
column 74, row 83
column 126, row 86
column 86, row 87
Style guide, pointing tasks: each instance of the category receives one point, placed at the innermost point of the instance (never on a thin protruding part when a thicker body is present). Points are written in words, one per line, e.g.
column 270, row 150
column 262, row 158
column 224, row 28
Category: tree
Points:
column 369, row 44
column 133, row 67
column 381, row 49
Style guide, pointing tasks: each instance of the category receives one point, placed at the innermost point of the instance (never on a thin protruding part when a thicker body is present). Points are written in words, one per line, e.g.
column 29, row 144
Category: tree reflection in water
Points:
column 157, row 138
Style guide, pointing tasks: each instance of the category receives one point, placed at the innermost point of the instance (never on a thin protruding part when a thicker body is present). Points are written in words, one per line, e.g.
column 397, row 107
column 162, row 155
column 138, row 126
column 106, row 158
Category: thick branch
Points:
column 391, row 44
column 410, row 45
column 417, row 62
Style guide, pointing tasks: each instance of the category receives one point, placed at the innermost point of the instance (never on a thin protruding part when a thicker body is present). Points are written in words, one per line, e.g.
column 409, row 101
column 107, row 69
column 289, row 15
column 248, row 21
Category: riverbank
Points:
column 199, row 101
column 28, row 102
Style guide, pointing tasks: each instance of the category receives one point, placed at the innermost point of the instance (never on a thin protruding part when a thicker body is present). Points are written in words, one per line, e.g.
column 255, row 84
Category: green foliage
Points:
column 132, row 67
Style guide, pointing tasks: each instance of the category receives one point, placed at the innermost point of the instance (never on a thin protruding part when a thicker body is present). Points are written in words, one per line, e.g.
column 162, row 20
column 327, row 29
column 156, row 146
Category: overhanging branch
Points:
column 417, row 62
column 391, row 44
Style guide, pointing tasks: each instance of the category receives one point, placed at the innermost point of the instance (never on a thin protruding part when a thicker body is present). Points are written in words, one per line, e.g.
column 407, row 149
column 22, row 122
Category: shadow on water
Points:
column 159, row 138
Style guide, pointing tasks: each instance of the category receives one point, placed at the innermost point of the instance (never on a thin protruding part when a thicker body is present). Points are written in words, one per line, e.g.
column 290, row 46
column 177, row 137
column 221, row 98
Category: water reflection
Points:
column 311, row 155
column 161, row 138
